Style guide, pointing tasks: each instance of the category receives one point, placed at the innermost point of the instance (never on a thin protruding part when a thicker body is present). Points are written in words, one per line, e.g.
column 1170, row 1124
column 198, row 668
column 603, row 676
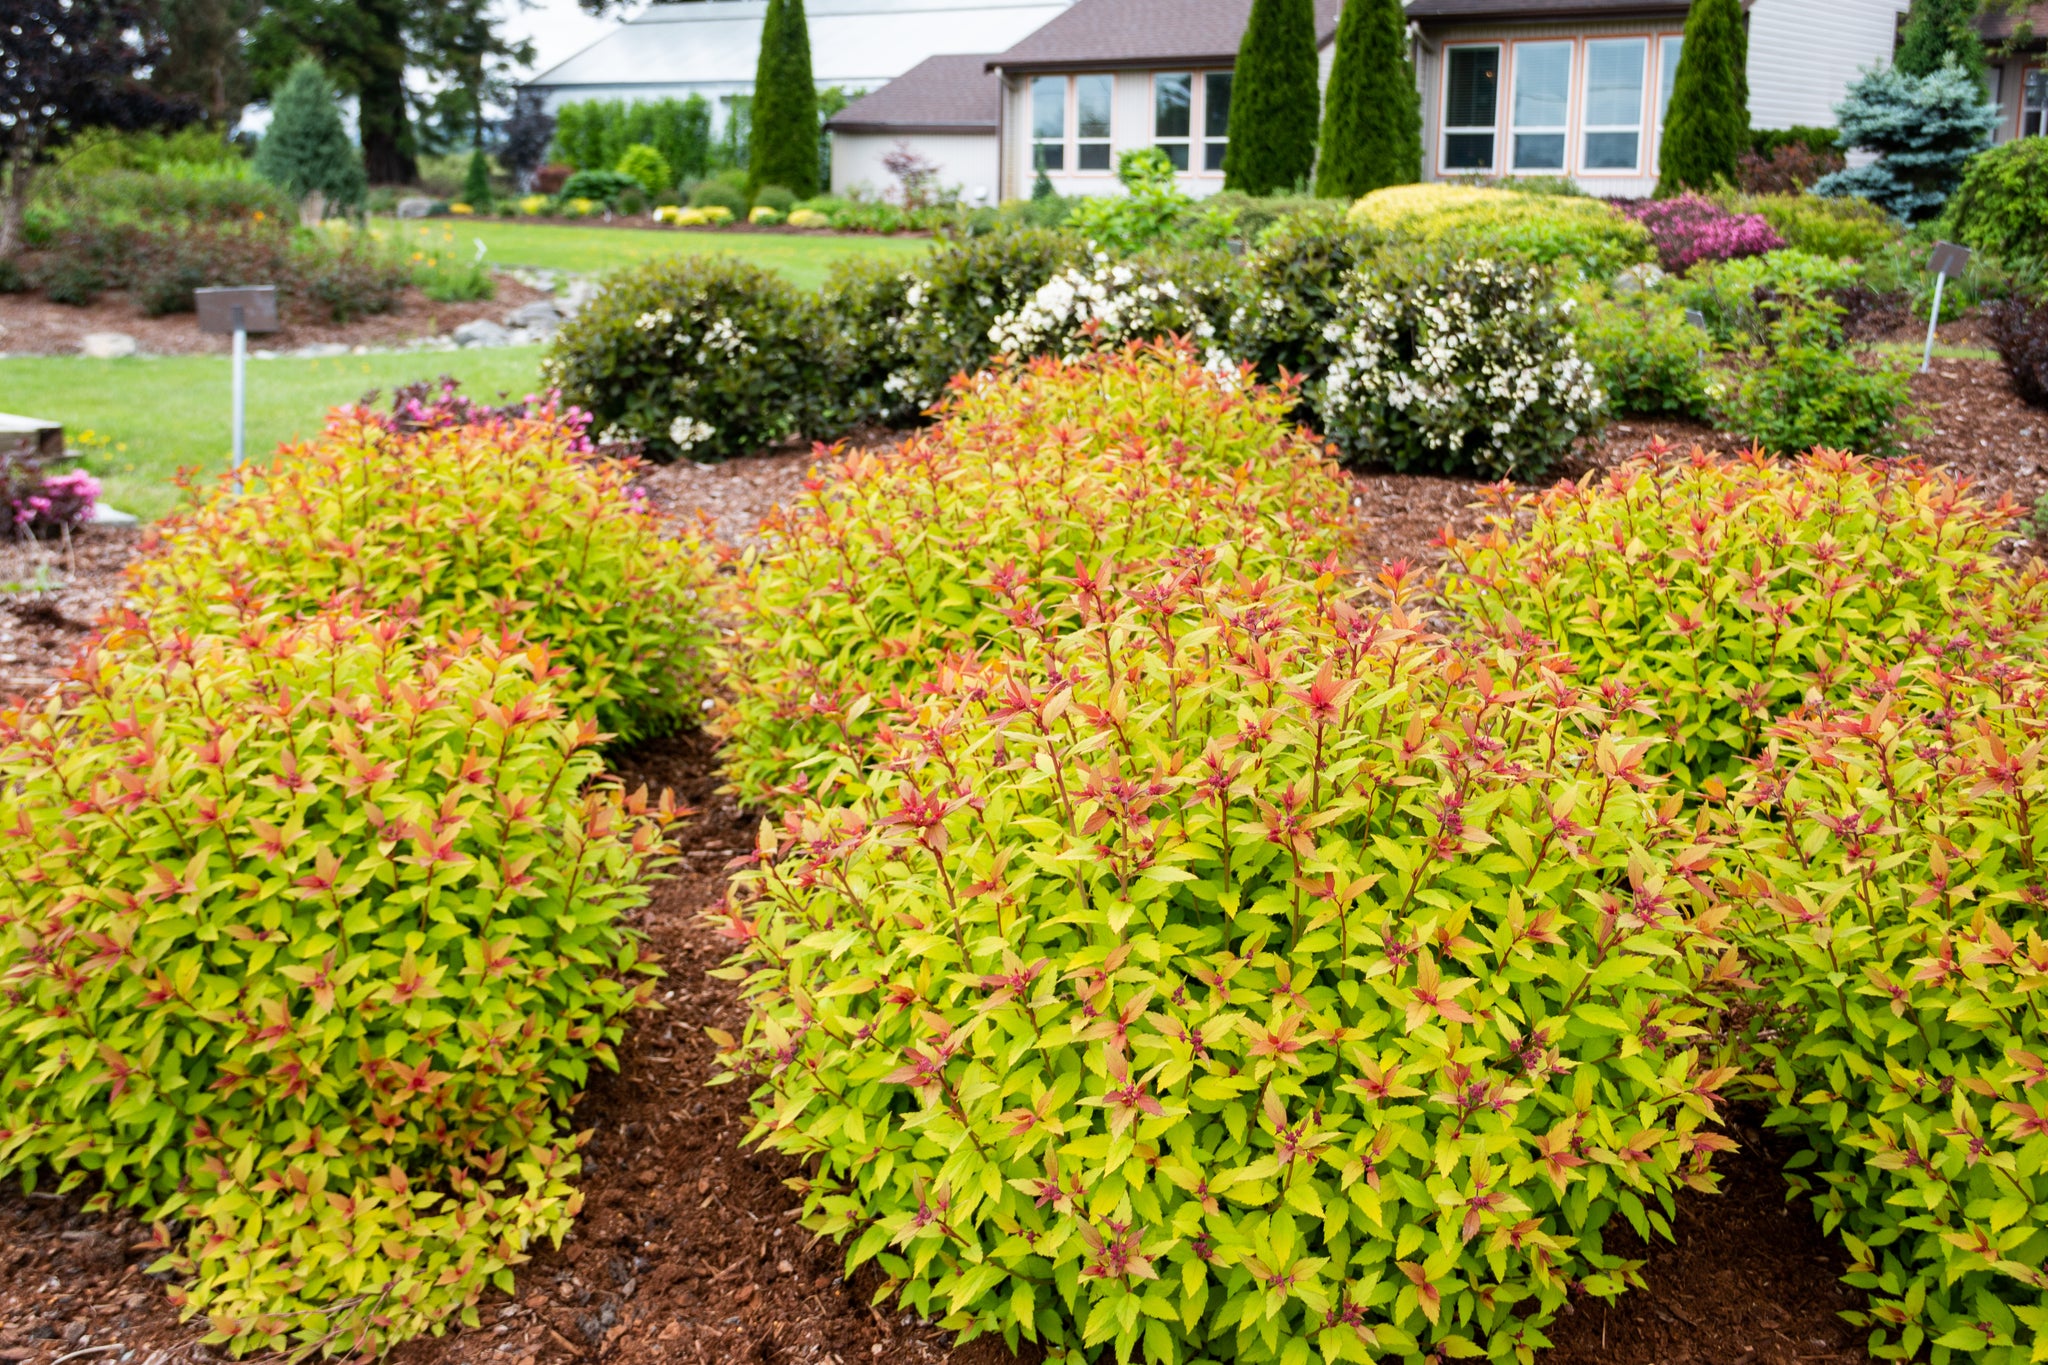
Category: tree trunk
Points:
column 14, row 202
column 389, row 153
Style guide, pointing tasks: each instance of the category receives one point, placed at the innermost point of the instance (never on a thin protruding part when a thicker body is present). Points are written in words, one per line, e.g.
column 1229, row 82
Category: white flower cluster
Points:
column 1073, row 313
column 687, row 433
column 1472, row 368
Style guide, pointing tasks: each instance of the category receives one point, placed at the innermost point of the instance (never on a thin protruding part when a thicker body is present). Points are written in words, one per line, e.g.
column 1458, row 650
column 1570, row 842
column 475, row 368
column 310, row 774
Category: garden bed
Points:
column 687, row 1250
column 32, row 325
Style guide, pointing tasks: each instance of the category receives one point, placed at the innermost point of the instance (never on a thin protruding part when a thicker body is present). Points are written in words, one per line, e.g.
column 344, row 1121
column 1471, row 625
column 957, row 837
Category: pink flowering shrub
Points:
column 39, row 502
column 1691, row 229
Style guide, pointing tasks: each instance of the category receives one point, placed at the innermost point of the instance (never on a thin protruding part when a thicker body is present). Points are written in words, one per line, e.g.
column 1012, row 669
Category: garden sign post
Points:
column 240, row 311
column 1947, row 259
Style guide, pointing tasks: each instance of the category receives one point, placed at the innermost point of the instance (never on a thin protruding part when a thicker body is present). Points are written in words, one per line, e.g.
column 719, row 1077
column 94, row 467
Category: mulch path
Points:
column 688, row 1250
column 31, row 325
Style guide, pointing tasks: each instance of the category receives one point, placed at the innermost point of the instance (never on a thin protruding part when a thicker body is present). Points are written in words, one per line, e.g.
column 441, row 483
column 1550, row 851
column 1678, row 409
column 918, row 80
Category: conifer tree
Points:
column 785, row 107
column 1274, row 100
column 1936, row 30
column 1707, row 129
column 306, row 150
column 1372, row 115
column 476, row 184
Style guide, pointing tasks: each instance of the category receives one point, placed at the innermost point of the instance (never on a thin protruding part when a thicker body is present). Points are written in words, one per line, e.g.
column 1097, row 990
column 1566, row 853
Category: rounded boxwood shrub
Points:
column 1723, row 594
column 1471, row 220
column 1458, row 365
column 1237, row 973
column 2003, row 200
column 309, row 933
column 1891, row 919
column 896, row 563
column 490, row 522
column 698, row 355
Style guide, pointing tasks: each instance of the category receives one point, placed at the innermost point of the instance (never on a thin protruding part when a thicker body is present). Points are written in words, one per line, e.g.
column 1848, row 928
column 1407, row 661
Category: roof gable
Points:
column 1095, row 34
column 939, row 95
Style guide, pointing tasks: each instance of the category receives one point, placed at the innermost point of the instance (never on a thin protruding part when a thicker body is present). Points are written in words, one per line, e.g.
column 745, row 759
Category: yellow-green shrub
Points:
column 1237, row 974
column 1725, row 593
column 487, row 523
column 970, row 536
column 1496, row 223
column 308, row 936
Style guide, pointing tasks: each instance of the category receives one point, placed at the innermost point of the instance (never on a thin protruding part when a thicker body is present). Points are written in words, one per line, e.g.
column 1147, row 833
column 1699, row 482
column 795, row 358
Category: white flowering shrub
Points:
column 700, row 356
column 1457, row 365
column 1112, row 302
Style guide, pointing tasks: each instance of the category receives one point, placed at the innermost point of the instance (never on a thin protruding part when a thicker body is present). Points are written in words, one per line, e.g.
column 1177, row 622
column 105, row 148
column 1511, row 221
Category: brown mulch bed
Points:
column 50, row 594
column 31, row 325
column 688, row 1251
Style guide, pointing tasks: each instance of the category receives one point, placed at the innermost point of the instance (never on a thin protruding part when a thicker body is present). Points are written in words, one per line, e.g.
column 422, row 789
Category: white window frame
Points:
column 1066, row 122
column 1561, row 131
column 1445, row 132
column 1070, row 142
column 1205, row 139
column 1641, row 126
column 2033, row 100
column 1108, row 141
column 1186, row 142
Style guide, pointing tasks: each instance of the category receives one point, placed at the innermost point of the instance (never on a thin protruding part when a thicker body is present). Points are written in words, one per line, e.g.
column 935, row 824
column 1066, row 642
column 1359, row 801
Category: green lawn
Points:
column 144, row 417
column 804, row 259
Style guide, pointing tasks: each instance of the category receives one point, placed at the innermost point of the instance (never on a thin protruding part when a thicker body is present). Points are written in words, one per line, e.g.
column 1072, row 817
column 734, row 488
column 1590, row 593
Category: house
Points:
column 2019, row 81
column 1580, row 88
column 710, row 47
column 945, row 108
column 1573, row 88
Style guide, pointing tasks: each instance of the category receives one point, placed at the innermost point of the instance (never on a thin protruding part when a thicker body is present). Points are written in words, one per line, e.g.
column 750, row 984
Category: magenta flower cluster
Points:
column 65, row 499
column 442, row 406
column 1691, row 229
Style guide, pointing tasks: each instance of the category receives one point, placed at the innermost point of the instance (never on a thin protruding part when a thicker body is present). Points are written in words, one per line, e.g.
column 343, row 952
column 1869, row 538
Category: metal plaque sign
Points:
column 1948, row 259
column 248, row 308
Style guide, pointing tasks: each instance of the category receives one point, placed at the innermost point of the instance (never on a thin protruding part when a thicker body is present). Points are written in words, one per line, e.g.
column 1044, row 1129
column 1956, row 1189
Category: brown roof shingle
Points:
column 945, row 94
column 1098, row 34
column 1453, row 11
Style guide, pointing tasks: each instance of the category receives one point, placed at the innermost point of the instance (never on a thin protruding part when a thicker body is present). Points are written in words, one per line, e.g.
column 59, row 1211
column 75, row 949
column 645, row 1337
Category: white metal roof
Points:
column 854, row 43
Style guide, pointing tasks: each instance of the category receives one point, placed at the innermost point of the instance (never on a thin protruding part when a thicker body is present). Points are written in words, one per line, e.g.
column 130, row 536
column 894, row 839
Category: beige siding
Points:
column 1803, row 54
column 965, row 160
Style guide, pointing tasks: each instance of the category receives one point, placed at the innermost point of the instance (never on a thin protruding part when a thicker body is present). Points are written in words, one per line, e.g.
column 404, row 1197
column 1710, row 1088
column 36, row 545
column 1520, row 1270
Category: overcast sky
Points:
column 558, row 29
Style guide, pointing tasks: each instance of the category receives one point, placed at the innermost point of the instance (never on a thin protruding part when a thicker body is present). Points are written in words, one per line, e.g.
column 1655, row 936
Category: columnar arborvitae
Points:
column 476, row 183
column 785, row 146
column 305, row 148
column 1372, row 115
column 1274, row 102
column 1936, row 30
column 1707, row 129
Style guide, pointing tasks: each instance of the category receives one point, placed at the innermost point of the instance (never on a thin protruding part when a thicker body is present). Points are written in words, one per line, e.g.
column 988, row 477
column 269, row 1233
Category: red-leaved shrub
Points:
column 1691, row 228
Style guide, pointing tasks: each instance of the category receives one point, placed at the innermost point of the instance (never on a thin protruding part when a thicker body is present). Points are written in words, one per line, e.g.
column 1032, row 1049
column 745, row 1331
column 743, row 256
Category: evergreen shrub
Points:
column 647, row 168
column 1234, row 972
column 1922, row 129
column 1723, row 594
column 700, row 355
column 510, row 522
column 1038, row 482
column 1707, row 129
column 1293, row 293
column 2002, row 204
column 1276, row 100
column 1503, row 225
column 1372, row 113
column 305, row 150
column 311, row 931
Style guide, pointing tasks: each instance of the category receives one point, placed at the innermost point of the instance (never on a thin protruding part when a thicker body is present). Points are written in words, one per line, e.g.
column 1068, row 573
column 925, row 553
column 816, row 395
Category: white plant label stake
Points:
column 1947, row 259
column 237, row 312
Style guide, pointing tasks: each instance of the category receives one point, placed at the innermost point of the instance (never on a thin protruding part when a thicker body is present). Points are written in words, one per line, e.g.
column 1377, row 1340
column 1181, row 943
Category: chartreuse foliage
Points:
column 964, row 539
column 1725, row 593
column 505, row 524
column 308, row 935
column 1893, row 897
column 1238, row 974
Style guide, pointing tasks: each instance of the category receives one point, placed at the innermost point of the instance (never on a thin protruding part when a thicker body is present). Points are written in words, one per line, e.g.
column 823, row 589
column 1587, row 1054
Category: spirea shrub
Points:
column 1111, row 304
column 1458, row 365
column 699, row 355
column 1236, row 974
column 896, row 564
column 505, row 523
column 1727, row 593
column 1892, row 913
column 308, row 935
column 1564, row 230
column 1691, row 228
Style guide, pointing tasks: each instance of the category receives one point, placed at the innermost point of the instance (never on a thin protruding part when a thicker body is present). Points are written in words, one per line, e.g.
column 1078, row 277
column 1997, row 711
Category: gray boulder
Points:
column 107, row 345
column 482, row 332
column 415, row 206
column 540, row 316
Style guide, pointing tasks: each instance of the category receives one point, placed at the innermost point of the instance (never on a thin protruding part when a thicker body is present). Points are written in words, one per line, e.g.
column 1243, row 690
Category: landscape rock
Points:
column 321, row 350
column 103, row 515
column 415, row 206
column 1637, row 278
column 541, row 316
column 482, row 332
column 579, row 293
column 107, row 345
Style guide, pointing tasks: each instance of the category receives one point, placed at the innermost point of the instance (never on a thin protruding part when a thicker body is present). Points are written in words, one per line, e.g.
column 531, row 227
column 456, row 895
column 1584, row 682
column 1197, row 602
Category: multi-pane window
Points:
column 1668, row 49
column 1614, row 103
column 1471, row 102
column 1541, row 104
column 1173, row 98
column 1049, row 123
column 1215, row 119
column 2034, row 104
column 1092, row 99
